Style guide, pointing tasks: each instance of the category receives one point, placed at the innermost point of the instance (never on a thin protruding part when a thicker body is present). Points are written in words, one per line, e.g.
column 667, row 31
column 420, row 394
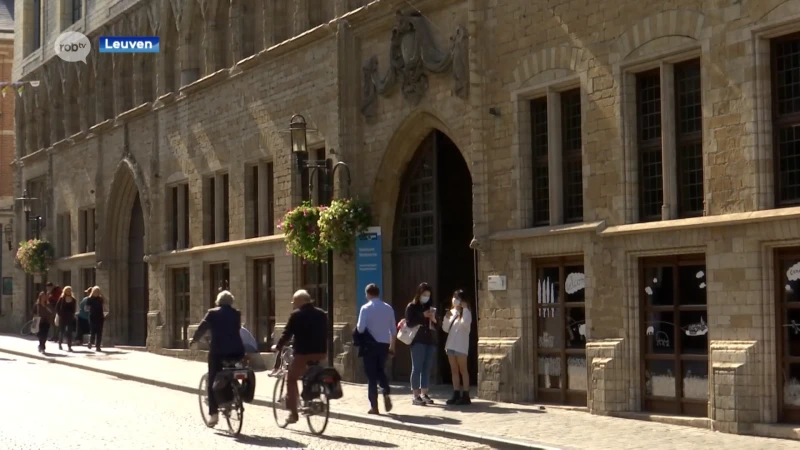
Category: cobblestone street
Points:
column 52, row 406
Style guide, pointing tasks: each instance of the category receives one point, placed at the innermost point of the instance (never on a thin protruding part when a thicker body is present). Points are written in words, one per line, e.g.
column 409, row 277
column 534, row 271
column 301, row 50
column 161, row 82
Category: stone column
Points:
column 339, row 7
column 554, row 157
column 41, row 104
column 210, row 41
column 53, row 83
column 190, row 69
column 68, row 108
column 99, row 89
column 31, row 140
column 268, row 24
column 669, row 209
column 300, row 19
column 90, row 223
column 83, row 96
column 19, row 124
column 235, row 26
column 219, row 208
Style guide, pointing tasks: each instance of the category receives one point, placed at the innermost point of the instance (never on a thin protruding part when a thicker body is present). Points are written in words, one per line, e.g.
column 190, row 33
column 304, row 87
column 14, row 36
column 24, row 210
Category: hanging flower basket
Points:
column 35, row 256
column 301, row 230
column 341, row 222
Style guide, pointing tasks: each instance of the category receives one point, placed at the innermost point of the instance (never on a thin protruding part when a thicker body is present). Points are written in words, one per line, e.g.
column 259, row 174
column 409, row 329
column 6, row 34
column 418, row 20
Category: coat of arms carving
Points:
column 413, row 52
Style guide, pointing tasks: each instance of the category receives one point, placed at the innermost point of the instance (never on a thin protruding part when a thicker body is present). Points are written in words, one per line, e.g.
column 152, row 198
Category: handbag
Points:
column 406, row 334
column 35, row 325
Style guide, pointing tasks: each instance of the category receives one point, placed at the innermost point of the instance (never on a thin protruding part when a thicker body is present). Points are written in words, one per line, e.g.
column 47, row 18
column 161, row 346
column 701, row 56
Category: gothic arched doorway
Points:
column 432, row 233
column 138, row 302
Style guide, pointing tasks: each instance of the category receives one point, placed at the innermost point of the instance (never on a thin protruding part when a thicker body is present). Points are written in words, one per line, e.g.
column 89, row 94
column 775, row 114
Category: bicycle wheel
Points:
column 202, row 398
column 318, row 408
column 279, row 410
column 26, row 329
column 235, row 416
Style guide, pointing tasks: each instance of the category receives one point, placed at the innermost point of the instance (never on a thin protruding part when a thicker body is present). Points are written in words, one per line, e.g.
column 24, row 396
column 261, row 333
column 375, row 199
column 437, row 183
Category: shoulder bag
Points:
column 406, row 334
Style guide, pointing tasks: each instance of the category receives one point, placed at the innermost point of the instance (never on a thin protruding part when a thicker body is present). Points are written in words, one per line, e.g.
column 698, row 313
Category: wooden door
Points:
column 414, row 255
column 138, row 303
column 180, row 302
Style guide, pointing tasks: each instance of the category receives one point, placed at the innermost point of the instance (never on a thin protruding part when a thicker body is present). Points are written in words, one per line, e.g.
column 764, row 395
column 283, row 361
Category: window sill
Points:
column 704, row 222
column 75, row 258
column 527, row 233
column 222, row 246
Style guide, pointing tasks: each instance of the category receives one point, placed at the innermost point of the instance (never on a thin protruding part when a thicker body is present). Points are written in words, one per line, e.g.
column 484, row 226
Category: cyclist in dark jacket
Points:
column 224, row 323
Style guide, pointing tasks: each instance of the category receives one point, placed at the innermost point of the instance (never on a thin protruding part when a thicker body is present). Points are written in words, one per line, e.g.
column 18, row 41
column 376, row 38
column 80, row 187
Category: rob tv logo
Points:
column 129, row 44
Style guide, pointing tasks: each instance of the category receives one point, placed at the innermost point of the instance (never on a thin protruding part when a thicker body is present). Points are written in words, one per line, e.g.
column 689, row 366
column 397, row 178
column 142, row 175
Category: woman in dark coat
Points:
column 45, row 314
column 95, row 306
column 65, row 310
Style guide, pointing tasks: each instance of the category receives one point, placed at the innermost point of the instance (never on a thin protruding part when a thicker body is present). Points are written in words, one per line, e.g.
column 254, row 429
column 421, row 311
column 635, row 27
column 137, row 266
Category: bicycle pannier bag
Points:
column 311, row 383
column 248, row 389
column 332, row 383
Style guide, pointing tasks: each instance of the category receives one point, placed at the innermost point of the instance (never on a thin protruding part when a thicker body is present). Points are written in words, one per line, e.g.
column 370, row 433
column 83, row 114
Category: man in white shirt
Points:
column 378, row 334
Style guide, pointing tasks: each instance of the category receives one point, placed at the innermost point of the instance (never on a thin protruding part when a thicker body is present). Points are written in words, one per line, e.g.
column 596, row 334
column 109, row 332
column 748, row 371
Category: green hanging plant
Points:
column 301, row 231
column 35, row 256
column 342, row 222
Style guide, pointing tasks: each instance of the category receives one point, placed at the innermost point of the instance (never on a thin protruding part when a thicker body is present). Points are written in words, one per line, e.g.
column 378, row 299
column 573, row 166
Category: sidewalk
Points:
column 499, row 425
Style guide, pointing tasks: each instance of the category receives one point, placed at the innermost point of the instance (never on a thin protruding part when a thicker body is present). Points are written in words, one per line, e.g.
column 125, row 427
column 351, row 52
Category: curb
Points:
column 496, row 442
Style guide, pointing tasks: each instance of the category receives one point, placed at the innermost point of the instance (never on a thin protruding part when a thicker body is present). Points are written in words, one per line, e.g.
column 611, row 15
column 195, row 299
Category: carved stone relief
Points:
column 413, row 52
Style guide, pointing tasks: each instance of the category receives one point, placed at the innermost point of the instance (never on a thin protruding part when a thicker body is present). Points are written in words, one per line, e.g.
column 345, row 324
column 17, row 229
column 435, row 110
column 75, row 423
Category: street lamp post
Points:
column 26, row 206
column 298, row 129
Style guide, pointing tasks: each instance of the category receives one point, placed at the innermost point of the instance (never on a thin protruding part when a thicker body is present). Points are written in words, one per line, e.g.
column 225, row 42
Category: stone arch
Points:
column 675, row 22
column 564, row 57
column 126, row 184
column 398, row 155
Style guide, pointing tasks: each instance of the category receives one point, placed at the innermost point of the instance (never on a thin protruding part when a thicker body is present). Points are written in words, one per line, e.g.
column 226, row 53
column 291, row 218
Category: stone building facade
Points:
column 6, row 158
column 614, row 183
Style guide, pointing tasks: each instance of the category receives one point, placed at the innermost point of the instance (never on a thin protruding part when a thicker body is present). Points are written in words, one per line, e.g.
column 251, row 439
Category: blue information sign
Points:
column 369, row 263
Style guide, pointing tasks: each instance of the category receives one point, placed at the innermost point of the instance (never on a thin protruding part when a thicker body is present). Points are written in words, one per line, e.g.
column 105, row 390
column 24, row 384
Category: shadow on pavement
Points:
column 53, row 355
column 261, row 441
column 489, row 408
column 6, row 359
column 424, row 420
column 352, row 440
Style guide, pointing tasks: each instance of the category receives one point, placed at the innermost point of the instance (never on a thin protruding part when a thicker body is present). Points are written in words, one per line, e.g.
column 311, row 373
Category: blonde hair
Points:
column 65, row 290
column 96, row 290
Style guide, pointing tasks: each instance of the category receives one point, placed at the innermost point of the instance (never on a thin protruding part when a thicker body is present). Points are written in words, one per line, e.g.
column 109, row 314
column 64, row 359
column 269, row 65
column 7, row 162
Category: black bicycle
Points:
column 317, row 407
column 233, row 410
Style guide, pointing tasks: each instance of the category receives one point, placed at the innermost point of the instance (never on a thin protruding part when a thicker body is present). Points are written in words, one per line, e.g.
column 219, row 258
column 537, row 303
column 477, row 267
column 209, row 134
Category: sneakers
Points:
column 213, row 420
column 454, row 399
column 427, row 400
column 418, row 401
column 387, row 403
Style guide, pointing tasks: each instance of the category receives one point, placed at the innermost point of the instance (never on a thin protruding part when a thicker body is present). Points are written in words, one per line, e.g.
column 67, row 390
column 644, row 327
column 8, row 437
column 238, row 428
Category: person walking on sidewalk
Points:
column 65, row 311
column 53, row 294
column 457, row 324
column 45, row 314
column 82, row 327
column 224, row 323
column 308, row 326
column 423, row 347
column 95, row 306
column 377, row 335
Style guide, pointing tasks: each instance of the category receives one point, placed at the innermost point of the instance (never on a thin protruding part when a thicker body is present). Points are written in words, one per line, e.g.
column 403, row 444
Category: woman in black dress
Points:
column 95, row 306
column 65, row 309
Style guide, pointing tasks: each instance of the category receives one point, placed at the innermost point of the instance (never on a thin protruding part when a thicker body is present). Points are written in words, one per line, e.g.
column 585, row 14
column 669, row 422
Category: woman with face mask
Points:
column 423, row 348
column 457, row 324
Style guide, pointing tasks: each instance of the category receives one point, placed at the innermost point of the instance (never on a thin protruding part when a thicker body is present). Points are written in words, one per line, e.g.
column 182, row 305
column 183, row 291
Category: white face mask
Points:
column 456, row 302
column 424, row 299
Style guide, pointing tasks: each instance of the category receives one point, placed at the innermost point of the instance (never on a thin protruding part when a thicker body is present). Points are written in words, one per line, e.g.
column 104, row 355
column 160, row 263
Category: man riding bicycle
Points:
column 224, row 323
column 309, row 328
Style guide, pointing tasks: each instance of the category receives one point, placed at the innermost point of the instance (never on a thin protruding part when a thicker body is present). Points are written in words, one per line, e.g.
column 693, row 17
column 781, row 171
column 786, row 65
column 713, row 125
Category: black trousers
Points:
column 82, row 328
column 44, row 330
column 375, row 369
column 215, row 367
column 96, row 336
column 66, row 328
